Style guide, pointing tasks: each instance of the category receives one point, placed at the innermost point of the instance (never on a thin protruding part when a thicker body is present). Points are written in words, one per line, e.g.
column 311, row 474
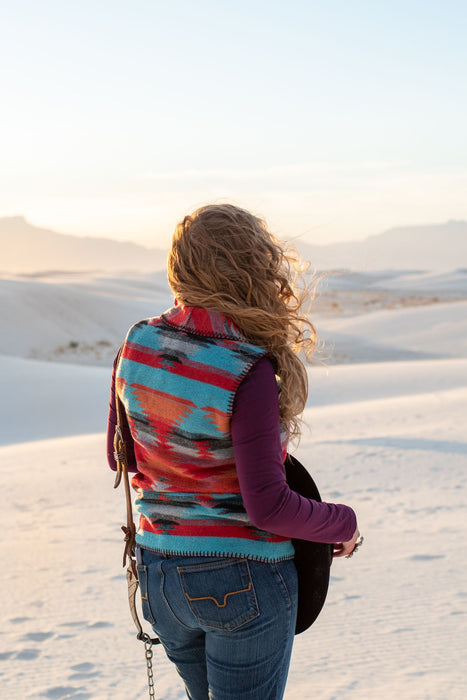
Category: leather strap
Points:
column 129, row 530
column 121, row 459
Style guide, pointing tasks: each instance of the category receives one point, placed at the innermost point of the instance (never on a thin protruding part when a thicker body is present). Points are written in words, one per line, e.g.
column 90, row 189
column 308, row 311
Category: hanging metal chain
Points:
column 129, row 555
column 148, row 651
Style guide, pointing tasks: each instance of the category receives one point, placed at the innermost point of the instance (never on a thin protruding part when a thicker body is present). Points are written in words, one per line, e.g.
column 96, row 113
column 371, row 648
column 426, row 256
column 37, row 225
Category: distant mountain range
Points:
column 431, row 247
column 28, row 249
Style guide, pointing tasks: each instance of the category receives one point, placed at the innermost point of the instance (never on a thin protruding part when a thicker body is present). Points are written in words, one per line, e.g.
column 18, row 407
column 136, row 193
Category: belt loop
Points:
column 139, row 555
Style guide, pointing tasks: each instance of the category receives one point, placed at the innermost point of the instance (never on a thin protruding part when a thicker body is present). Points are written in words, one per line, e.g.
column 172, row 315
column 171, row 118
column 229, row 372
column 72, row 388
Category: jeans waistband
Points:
column 162, row 555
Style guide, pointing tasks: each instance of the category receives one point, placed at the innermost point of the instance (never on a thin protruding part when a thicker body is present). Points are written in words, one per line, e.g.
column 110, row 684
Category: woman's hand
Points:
column 343, row 549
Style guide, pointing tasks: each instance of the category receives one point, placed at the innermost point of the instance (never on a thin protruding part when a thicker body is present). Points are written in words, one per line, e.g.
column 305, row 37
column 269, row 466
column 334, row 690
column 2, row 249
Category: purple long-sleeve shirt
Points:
column 269, row 502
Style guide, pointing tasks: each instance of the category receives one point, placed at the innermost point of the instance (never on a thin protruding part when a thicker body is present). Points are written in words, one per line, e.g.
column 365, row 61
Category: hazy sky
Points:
column 335, row 119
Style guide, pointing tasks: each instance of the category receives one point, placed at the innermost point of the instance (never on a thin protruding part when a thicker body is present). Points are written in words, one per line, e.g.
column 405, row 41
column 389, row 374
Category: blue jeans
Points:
column 227, row 624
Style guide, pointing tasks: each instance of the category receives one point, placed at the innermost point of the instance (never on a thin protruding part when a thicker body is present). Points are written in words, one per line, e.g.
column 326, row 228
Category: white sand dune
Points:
column 352, row 384
column 51, row 399
column 432, row 282
column 387, row 437
column 394, row 623
column 82, row 318
column 75, row 318
column 431, row 331
column 454, row 281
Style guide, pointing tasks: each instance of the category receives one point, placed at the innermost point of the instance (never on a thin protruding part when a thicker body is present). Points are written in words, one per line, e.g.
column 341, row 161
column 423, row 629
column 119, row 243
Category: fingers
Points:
column 337, row 554
column 342, row 549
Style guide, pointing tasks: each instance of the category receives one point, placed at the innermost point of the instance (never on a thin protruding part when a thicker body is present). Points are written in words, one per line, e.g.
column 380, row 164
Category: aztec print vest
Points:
column 177, row 378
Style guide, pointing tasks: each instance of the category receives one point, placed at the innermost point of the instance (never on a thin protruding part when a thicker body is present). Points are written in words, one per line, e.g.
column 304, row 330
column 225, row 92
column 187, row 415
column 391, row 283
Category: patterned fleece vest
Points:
column 177, row 378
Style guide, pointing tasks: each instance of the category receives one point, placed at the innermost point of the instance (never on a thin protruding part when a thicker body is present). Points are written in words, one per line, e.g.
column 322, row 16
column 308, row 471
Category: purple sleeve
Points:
column 271, row 505
column 112, row 422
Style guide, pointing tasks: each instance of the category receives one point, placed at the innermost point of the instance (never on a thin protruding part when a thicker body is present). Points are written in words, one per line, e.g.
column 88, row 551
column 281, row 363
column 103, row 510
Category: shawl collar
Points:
column 201, row 321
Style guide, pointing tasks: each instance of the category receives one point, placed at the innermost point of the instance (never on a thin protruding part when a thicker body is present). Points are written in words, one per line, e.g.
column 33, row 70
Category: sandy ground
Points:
column 387, row 437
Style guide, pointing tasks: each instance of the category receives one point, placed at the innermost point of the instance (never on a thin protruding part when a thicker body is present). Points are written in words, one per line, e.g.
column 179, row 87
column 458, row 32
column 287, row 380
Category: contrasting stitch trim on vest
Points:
column 219, row 554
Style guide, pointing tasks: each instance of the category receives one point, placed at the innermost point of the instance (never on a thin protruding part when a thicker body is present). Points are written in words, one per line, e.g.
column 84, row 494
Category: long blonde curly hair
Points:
column 224, row 258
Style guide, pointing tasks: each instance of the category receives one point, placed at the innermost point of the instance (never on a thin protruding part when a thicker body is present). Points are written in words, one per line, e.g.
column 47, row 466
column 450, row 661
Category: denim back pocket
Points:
column 143, row 587
column 220, row 593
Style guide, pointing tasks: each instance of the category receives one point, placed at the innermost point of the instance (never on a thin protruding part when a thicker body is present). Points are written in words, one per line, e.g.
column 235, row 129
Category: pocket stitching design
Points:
column 220, row 605
column 248, row 615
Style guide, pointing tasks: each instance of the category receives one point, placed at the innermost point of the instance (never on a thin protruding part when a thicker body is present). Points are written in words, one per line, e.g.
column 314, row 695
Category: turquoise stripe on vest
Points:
column 217, row 547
